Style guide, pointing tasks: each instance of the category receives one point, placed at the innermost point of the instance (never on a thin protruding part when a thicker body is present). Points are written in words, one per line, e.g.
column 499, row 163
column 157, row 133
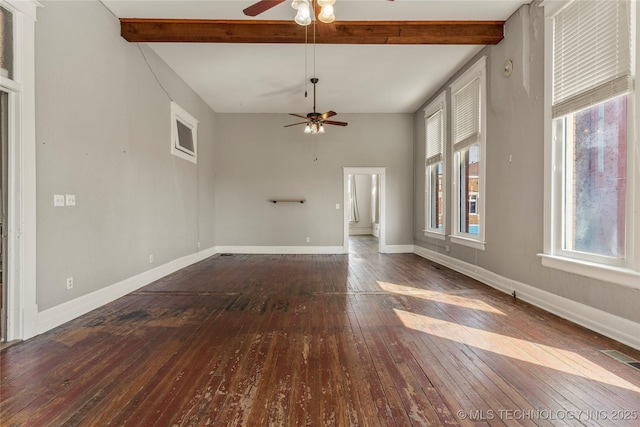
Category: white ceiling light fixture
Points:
column 326, row 12
column 303, row 17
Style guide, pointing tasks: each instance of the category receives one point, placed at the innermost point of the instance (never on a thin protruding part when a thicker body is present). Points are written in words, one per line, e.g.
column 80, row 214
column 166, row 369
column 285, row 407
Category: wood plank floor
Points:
column 320, row 340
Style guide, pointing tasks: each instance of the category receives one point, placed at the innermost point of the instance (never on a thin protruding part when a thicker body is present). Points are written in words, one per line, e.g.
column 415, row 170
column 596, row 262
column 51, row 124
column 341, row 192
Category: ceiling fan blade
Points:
column 328, row 114
column 296, row 124
column 298, row 115
column 331, row 122
column 324, row 29
column 262, row 6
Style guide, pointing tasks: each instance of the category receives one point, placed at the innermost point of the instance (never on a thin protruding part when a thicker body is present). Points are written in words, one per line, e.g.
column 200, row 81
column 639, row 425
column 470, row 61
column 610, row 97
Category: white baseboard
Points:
column 281, row 250
column 607, row 324
column 360, row 231
column 56, row 316
column 398, row 249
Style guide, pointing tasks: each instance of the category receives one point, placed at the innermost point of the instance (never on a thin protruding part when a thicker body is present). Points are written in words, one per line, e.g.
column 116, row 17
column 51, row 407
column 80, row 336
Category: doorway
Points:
column 370, row 183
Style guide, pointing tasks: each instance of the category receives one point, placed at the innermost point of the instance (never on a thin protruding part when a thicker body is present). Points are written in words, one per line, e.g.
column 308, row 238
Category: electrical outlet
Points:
column 70, row 199
column 58, row 200
column 69, row 282
column 150, row 259
column 308, row 239
column 337, row 206
column 447, row 248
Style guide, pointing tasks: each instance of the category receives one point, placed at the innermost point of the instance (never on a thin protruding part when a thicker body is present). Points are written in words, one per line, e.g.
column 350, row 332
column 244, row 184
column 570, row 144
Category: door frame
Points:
column 21, row 305
column 368, row 170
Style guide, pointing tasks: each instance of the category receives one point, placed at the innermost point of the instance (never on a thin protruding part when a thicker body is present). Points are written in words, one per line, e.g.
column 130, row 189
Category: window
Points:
column 6, row 43
column 590, row 225
column 473, row 204
column 434, row 116
column 468, row 117
column 184, row 134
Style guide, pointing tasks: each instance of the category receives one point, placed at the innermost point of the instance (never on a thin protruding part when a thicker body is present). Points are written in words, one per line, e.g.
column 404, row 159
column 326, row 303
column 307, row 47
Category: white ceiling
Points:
column 270, row 78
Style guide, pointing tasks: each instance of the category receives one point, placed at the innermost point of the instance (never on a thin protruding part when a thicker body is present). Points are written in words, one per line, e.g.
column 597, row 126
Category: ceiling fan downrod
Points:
column 314, row 80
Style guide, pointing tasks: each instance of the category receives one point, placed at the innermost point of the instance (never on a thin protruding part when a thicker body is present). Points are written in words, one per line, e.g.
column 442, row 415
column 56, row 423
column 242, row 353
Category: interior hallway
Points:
column 358, row 339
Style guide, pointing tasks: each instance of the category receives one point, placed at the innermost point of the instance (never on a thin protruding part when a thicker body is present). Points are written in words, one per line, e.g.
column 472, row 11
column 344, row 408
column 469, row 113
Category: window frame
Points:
column 477, row 70
column 438, row 104
column 179, row 114
column 623, row 271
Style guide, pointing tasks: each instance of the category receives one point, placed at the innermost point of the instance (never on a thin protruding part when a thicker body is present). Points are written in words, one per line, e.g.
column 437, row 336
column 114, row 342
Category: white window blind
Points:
column 592, row 54
column 466, row 115
column 435, row 137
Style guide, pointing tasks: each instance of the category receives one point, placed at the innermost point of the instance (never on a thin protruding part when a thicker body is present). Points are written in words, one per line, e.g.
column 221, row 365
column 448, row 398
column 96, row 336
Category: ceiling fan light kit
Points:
column 314, row 128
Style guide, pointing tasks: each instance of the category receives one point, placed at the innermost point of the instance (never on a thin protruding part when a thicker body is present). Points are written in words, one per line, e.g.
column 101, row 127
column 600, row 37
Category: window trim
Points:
column 179, row 114
column 438, row 104
column 478, row 70
column 627, row 275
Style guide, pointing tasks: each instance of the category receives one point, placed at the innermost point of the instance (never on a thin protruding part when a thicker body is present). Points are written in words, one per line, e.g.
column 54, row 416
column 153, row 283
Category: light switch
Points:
column 71, row 199
column 58, row 200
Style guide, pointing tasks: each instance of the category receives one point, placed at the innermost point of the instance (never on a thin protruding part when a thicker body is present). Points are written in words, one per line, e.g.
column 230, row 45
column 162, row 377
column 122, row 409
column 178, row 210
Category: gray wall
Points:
column 103, row 128
column 258, row 159
column 515, row 190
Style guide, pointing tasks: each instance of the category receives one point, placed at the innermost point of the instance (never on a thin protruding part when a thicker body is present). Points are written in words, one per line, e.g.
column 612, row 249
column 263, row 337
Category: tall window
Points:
column 434, row 116
column 468, row 117
column 592, row 200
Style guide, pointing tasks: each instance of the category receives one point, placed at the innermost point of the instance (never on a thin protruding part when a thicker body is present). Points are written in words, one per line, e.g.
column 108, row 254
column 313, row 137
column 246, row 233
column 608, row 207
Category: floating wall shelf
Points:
column 287, row 201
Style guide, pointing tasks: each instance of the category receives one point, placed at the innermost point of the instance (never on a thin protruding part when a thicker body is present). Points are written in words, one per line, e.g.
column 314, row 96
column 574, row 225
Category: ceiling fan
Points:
column 315, row 121
column 324, row 22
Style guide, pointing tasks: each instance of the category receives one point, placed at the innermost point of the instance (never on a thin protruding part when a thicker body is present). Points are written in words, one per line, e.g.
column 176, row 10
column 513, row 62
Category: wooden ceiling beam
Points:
column 348, row 32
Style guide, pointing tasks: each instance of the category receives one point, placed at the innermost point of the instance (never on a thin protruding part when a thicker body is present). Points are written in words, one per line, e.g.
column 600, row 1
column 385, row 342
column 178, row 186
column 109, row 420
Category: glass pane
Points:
column 595, row 179
column 185, row 137
column 469, row 168
column 6, row 43
column 436, row 201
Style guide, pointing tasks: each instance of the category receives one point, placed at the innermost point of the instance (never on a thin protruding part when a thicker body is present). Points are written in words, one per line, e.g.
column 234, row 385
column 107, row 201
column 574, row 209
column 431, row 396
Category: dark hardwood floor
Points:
column 319, row 340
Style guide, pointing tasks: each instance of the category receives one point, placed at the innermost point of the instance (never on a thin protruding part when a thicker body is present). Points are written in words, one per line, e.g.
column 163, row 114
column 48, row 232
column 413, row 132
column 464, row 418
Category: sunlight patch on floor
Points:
column 443, row 297
column 526, row 351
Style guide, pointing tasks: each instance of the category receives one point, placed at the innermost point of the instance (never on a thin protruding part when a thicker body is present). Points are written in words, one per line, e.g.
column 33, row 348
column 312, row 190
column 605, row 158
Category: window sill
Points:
column 434, row 235
column 621, row 276
column 464, row 241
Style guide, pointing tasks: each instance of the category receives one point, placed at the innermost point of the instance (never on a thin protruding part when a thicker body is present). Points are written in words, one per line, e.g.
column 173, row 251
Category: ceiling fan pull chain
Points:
column 306, row 32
